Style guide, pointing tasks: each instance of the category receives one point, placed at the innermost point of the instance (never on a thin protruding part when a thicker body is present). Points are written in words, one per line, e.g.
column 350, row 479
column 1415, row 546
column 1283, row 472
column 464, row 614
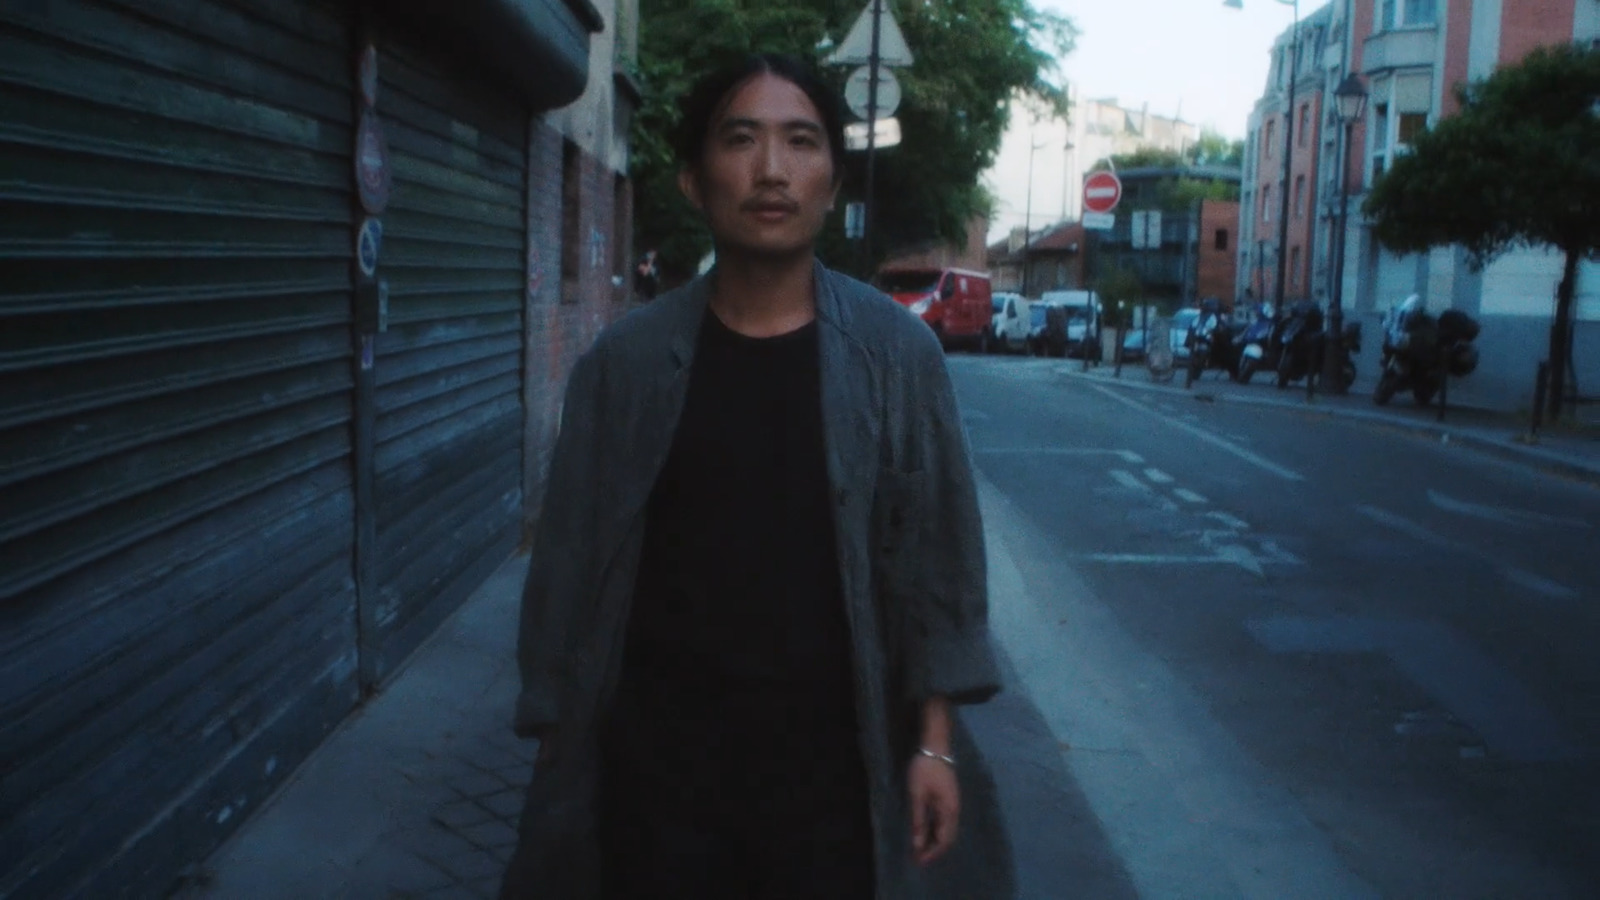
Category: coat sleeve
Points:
column 557, row 566
column 949, row 650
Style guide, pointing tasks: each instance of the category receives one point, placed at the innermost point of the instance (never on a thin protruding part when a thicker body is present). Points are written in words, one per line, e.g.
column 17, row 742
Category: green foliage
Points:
column 1120, row 292
column 1519, row 165
column 1215, row 150
column 972, row 57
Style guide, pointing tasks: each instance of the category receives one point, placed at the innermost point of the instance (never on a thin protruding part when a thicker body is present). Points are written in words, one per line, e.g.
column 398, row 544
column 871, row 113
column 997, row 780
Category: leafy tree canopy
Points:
column 972, row 57
column 1519, row 165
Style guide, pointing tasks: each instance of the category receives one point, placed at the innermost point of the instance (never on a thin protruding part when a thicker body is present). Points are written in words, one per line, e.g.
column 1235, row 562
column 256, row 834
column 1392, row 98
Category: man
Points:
column 758, row 584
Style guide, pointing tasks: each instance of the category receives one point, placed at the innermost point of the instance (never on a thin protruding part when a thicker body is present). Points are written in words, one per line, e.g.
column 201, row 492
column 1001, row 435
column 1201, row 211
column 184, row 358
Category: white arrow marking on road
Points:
column 1501, row 514
column 1251, row 458
column 1189, row 496
column 1158, row 476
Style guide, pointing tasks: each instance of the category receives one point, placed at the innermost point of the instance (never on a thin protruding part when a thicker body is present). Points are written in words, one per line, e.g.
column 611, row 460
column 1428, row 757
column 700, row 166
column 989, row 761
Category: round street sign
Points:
column 372, row 164
column 859, row 86
column 369, row 241
column 1101, row 191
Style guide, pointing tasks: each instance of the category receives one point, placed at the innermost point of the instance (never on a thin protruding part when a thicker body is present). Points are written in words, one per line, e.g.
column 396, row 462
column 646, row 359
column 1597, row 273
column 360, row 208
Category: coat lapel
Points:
column 851, row 414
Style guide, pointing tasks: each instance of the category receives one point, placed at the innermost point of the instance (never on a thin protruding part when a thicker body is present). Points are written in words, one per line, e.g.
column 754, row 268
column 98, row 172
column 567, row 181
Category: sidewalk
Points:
column 1570, row 449
column 416, row 795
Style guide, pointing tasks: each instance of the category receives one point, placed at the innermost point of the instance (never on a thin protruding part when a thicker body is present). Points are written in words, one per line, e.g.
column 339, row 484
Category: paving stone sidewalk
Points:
column 416, row 796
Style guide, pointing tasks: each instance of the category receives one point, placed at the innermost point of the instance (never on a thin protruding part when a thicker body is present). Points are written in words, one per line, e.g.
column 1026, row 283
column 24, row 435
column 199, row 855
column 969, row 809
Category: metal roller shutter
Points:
column 447, row 473
column 177, row 607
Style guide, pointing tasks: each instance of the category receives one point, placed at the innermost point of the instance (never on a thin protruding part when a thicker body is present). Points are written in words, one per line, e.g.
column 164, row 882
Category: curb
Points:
column 1503, row 448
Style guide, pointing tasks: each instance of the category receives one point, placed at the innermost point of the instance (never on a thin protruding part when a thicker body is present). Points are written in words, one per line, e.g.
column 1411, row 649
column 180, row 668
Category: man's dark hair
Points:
column 707, row 97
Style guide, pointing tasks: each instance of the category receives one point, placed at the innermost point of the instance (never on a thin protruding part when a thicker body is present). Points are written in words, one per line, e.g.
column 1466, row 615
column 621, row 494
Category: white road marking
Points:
column 1233, row 522
column 1188, row 496
column 1188, row 810
column 1127, row 456
column 1501, row 514
column 1249, row 457
column 1153, row 559
column 1538, row 584
column 1158, row 476
column 1129, row 480
column 1519, row 577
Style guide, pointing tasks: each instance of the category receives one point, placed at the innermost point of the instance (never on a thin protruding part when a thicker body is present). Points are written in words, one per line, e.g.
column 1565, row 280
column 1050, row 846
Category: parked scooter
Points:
column 1208, row 341
column 1256, row 345
column 1420, row 351
column 1301, row 343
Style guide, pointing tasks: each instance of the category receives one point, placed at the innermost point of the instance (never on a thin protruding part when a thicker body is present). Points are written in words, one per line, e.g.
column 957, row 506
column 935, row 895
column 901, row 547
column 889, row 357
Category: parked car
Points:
column 1133, row 345
column 1182, row 321
column 1083, row 319
column 1010, row 326
column 954, row 302
column 1047, row 329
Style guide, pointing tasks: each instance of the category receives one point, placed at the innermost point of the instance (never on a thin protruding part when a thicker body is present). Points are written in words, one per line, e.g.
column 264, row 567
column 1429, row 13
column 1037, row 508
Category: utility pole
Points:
column 872, row 137
column 1288, row 166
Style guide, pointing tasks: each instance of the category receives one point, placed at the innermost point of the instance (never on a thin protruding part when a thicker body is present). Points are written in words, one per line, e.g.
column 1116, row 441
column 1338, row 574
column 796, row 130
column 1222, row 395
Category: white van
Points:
column 1083, row 318
column 1008, row 328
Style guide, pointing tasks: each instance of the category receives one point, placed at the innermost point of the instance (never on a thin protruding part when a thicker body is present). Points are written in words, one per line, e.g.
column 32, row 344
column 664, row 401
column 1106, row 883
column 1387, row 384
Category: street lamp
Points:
column 1027, row 220
column 1350, row 97
column 1288, row 150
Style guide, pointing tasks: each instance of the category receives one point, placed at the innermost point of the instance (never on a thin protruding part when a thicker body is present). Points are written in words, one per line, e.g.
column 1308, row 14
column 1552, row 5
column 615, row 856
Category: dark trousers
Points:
column 696, row 804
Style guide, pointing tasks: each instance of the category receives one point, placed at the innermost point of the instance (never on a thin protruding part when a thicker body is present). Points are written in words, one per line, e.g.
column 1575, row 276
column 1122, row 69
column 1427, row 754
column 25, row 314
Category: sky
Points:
column 1196, row 59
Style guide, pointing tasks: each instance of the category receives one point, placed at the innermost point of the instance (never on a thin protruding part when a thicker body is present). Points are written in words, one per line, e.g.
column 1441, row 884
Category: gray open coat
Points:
column 911, row 558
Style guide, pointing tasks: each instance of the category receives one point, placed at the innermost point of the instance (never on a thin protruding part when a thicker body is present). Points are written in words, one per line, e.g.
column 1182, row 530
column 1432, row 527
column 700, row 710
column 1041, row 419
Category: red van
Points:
column 954, row 302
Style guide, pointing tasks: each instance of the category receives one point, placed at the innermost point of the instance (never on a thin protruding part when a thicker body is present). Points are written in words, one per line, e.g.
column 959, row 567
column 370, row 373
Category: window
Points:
column 572, row 244
column 1266, row 203
column 1270, row 141
column 1221, row 240
column 1299, row 196
column 1420, row 12
column 1294, row 267
column 1380, row 126
column 1386, row 19
column 1305, row 123
column 1410, row 125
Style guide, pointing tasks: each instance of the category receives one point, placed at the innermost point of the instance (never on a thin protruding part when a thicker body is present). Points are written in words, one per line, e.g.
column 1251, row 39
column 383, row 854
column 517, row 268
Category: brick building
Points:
column 293, row 289
column 1411, row 54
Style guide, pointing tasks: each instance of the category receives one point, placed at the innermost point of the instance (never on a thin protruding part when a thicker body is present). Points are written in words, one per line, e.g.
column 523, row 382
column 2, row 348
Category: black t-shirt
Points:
column 738, row 619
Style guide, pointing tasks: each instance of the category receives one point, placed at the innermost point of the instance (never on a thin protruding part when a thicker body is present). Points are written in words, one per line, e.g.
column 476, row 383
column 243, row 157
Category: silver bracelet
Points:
column 947, row 760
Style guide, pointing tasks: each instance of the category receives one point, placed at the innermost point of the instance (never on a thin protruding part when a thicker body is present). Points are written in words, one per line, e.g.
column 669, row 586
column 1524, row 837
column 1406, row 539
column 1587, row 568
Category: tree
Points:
column 1212, row 149
column 1518, row 166
column 972, row 57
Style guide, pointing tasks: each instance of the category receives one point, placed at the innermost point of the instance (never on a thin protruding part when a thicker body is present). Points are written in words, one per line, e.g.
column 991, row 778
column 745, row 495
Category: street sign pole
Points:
column 872, row 138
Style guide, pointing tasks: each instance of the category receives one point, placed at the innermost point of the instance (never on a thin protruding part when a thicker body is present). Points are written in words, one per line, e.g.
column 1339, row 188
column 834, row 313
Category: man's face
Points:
column 766, row 180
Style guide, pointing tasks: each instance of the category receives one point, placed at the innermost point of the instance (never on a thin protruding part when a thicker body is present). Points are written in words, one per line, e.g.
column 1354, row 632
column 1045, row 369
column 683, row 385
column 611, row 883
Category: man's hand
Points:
column 935, row 808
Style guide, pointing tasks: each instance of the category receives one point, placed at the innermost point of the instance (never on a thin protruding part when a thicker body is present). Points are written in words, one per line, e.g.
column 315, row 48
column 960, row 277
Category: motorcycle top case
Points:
column 1463, row 360
column 1455, row 326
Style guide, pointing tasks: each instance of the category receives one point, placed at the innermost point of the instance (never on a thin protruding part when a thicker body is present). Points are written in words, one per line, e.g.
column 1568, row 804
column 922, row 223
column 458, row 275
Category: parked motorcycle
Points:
column 1301, row 342
column 1420, row 351
column 1208, row 342
column 1257, row 346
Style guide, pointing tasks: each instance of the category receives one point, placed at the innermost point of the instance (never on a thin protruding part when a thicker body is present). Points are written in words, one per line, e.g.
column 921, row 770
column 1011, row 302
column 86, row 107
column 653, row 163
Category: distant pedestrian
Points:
column 647, row 276
column 758, row 583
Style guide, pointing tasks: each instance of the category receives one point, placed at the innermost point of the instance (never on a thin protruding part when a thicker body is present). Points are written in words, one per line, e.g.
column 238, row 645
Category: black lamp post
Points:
column 1351, row 99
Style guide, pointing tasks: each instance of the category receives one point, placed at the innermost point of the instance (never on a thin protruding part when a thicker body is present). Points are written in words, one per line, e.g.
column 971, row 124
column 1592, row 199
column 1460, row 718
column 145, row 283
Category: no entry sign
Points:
column 1101, row 191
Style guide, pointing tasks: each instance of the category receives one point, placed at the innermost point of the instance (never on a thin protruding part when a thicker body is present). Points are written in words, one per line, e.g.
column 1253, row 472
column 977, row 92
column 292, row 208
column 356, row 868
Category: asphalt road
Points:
column 1256, row 652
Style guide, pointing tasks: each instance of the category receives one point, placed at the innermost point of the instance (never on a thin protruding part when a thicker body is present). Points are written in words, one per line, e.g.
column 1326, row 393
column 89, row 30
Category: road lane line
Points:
column 1158, row 476
column 1129, row 481
column 1253, row 459
column 1503, row 515
column 1188, row 496
column 1519, row 577
column 1233, row 522
column 1127, row 456
column 1189, row 811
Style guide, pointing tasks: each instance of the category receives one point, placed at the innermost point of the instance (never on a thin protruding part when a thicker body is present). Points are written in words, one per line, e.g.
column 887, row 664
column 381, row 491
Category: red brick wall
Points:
column 1218, row 268
column 1304, row 165
column 563, row 315
column 1457, row 52
column 1534, row 23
